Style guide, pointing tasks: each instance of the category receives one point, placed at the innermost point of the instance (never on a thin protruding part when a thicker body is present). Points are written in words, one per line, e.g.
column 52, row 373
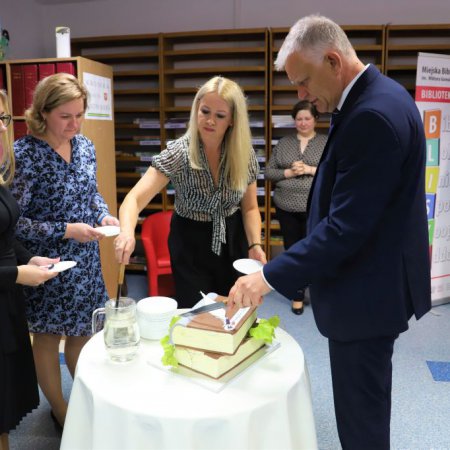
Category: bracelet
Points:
column 254, row 245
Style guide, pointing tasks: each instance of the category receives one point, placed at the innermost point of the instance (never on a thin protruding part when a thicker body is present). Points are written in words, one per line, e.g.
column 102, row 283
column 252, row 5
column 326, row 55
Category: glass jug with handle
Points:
column 121, row 331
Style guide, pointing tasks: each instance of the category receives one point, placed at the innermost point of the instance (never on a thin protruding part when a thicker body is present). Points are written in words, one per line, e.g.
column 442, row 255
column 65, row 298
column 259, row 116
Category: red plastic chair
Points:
column 154, row 236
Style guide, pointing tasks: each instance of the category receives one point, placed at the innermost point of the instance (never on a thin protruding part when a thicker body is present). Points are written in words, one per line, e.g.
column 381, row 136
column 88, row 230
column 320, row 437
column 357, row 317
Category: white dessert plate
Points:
column 62, row 265
column 247, row 265
column 109, row 230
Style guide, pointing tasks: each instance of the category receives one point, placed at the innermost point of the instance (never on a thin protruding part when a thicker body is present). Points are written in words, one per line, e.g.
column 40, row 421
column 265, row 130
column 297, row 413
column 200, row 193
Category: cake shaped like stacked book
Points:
column 206, row 344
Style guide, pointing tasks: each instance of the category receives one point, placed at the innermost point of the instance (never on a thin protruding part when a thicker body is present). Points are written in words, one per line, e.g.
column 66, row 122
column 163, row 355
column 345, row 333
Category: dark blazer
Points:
column 366, row 255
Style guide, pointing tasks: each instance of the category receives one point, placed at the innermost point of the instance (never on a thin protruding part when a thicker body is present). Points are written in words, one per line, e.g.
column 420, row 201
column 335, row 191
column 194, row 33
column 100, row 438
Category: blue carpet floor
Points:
column 439, row 370
column 421, row 393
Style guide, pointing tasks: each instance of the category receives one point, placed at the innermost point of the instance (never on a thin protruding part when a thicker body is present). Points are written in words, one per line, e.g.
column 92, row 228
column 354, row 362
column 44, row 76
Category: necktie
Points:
column 334, row 115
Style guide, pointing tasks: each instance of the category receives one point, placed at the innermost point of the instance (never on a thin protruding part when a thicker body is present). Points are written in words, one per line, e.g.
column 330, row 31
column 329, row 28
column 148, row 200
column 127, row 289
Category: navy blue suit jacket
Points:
column 366, row 257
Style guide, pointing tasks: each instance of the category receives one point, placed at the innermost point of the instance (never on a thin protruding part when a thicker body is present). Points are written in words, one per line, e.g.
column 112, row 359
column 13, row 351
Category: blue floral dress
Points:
column 52, row 193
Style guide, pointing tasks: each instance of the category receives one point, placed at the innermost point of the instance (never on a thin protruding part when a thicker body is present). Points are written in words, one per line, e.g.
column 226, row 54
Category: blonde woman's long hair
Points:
column 50, row 93
column 7, row 162
column 237, row 139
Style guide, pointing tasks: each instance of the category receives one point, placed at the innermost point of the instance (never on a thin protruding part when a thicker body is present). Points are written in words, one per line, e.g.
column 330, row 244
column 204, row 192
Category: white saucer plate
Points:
column 62, row 265
column 247, row 265
column 109, row 230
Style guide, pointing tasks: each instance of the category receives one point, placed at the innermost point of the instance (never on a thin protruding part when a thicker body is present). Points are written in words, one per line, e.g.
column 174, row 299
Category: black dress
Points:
column 18, row 384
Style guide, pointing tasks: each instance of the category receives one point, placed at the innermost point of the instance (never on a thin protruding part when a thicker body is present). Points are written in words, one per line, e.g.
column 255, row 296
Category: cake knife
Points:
column 206, row 308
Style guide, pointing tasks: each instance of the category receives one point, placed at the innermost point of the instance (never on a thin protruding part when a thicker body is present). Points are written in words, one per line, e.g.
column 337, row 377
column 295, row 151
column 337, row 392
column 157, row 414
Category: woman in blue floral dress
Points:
column 56, row 189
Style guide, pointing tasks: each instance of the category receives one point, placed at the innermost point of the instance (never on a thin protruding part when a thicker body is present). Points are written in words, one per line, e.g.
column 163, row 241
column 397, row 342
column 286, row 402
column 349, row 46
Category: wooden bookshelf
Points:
column 101, row 133
column 156, row 77
column 135, row 62
column 403, row 44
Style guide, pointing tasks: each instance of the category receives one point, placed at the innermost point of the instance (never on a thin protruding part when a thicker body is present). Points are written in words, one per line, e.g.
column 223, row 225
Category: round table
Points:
column 136, row 405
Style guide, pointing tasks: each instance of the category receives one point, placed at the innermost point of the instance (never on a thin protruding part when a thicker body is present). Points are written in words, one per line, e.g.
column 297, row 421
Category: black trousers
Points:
column 362, row 383
column 293, row 228
column 195, row 267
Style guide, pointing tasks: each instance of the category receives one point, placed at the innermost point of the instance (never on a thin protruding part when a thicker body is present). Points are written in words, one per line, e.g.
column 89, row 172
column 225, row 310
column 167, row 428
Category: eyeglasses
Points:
column 6, row 119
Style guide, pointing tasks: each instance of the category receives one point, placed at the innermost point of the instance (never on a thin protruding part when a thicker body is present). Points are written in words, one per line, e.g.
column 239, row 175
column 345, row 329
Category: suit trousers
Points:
column 362, row 383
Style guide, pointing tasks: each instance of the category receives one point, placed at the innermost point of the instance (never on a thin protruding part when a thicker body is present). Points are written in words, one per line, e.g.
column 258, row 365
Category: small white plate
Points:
column 247, row 265
column 62, row 265
column 109, row 230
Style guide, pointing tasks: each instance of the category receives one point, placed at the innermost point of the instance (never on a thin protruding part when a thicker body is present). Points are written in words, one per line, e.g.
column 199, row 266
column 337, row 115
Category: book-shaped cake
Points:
column 210, row 345
column 210, row 332
column 216, row 365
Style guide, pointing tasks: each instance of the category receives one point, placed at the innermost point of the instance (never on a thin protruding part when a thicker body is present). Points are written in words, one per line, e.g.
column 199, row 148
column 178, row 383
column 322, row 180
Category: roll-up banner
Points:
column 433, row 101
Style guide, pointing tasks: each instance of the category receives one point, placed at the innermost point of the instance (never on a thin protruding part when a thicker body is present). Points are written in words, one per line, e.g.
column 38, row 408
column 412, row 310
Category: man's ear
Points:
column 334, row 60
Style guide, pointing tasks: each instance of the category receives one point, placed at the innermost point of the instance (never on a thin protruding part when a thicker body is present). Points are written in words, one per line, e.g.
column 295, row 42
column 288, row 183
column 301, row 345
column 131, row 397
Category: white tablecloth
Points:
column 135, row 405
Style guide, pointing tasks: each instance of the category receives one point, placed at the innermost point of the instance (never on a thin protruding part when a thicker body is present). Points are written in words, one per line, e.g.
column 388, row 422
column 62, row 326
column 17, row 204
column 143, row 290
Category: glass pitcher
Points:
column 121, row 331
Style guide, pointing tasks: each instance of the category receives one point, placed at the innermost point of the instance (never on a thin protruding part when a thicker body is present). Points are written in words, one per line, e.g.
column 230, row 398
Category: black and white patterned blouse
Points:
column 196, row 196
column 291, row 194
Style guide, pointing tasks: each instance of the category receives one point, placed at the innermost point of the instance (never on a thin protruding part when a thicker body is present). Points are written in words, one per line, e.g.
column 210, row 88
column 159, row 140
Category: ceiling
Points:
column 56, row 2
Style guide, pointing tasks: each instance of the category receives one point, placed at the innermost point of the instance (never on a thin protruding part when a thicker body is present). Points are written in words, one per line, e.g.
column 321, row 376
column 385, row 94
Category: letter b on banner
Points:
column 432, row 123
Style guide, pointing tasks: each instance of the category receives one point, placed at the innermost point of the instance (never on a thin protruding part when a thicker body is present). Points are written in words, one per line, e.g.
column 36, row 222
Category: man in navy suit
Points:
column 365, row 257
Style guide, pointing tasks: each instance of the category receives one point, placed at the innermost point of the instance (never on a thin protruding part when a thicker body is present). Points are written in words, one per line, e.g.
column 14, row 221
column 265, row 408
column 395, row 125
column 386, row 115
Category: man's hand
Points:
column 248, row 291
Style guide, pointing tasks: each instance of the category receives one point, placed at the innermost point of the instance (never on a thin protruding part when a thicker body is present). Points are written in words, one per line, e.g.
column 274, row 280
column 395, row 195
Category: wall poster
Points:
column 433, row 101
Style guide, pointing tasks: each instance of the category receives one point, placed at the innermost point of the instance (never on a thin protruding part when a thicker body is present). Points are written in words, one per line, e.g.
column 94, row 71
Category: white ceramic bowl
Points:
column 154, row 315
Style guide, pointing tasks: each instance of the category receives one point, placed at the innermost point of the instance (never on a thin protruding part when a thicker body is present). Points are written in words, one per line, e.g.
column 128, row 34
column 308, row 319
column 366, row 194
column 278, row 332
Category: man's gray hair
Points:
column 314, row 35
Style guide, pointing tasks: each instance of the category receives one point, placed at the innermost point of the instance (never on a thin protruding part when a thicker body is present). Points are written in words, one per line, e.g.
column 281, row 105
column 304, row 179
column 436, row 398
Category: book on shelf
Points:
column 145, row 156
column 147, row 123
column 46, row 69
column 66, row 67
column 282, row 121
column 210, row 332
column 144, row 141
column 258, row 141
column 142, row 137
column 138, row 260
column 20, row 129
column 18, row 90
column 30, row 80
column 176, row 122
column 256, row 123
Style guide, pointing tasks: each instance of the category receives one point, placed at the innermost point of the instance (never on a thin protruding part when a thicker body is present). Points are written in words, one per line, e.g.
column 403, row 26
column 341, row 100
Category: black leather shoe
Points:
column 297, row 311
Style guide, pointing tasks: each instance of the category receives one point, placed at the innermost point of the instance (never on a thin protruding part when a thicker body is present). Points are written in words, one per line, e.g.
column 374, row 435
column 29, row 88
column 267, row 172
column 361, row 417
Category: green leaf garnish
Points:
column 174, row 320
column 265, row 329
column 168, row 358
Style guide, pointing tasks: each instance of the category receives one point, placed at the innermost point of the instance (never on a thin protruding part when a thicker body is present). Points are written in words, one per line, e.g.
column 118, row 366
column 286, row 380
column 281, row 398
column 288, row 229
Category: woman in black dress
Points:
column 18, row 385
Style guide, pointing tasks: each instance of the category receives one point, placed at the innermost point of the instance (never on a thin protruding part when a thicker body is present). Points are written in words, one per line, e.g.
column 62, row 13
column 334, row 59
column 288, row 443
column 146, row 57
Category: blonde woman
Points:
column 18, row 385
column 56, row 188
column 213, row 169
